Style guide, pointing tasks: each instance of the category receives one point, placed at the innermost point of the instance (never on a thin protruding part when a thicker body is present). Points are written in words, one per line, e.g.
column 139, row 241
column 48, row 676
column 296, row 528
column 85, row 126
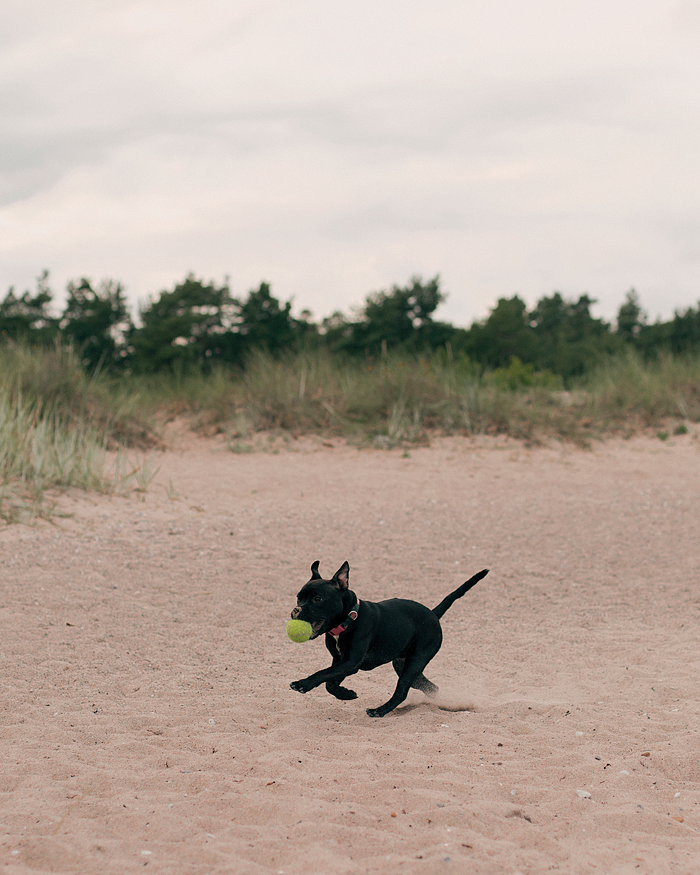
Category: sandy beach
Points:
column 147, row 719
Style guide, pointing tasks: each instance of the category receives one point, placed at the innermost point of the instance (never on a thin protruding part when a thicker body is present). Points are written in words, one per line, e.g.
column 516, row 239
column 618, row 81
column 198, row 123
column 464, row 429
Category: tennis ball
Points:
column 299, row 630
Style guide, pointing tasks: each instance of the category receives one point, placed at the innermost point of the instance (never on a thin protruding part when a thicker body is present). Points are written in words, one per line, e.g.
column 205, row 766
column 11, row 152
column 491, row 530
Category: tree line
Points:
column 198, row 324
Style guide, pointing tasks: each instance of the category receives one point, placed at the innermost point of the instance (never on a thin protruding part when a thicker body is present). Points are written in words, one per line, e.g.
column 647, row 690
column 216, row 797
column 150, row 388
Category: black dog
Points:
column 363, row 635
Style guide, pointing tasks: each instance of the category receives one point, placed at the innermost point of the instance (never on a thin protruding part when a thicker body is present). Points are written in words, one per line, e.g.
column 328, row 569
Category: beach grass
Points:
column 57, row 424
column 56, row 428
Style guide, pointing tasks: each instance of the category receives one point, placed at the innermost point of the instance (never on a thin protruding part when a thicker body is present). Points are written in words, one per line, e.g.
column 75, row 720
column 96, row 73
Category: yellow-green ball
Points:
column 299, row 630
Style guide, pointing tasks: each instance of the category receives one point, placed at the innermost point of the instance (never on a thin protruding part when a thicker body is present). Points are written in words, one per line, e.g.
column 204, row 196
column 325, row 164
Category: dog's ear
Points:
column 342, row 576
column 314, row 571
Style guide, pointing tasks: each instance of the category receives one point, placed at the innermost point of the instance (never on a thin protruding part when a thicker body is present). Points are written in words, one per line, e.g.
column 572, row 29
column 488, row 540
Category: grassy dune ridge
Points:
column 57, row 423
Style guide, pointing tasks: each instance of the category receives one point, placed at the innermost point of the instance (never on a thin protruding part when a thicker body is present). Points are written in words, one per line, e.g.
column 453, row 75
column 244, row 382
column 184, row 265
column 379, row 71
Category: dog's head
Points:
column 323, row 603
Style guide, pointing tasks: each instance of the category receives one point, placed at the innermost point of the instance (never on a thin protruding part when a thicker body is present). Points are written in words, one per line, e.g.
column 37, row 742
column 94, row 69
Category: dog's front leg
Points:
column 342, row 667
column 331, row 677
column 339, row 692
column 335, row 689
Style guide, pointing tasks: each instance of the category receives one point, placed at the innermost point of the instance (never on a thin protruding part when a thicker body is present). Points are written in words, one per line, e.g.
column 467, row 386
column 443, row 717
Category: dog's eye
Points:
column 317, row 599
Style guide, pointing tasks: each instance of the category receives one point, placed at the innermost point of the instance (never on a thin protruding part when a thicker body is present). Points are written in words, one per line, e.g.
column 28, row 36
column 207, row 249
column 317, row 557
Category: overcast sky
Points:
column 335, row 148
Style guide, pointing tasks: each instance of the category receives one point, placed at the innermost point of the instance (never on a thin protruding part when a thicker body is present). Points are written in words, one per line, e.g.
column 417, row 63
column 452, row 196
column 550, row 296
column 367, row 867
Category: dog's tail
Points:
column 458, row 593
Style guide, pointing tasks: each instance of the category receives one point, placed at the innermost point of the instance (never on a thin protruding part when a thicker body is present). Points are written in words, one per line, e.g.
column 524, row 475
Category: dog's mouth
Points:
column 318, row 627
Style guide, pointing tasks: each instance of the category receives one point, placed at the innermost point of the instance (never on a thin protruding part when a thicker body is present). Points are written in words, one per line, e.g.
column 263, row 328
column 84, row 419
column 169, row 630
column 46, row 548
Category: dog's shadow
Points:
column 437, row 705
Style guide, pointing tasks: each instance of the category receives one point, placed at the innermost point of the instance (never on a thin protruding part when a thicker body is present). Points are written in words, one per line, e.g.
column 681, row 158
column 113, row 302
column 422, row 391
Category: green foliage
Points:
column 265, row 324
column 570, row 339
column 556, row 336
column 187, row 328
column 98, row 324
column 684, row 335
column 523, row 376
column 679, row 336
column 631, row 318
column 27, row 317
column 399, row 319
column 199, row 326
column 504, row 334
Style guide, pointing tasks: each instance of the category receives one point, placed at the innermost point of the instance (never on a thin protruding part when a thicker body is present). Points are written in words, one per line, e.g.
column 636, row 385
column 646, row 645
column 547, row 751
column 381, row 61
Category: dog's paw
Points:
column 300, row 686
column 376, row 712
column 343, row 693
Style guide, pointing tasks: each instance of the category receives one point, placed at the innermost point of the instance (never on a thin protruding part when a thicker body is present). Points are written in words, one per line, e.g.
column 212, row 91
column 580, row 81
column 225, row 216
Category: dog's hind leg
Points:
column 412, row 670
column 425, row 686
column 420, row 683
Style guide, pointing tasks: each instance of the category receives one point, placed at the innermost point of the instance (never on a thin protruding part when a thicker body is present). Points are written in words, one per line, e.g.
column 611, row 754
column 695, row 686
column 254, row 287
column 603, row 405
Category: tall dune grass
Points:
column 52, row 381
column 395, row 399
column 627, row 390
column 56, row 423
column 39, row 452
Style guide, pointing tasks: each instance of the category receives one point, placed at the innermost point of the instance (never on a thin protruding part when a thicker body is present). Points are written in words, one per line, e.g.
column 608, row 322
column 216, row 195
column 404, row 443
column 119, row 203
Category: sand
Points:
column 147, row 719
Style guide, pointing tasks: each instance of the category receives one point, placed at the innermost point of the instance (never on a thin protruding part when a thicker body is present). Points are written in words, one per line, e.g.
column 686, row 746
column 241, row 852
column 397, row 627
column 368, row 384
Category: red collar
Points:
column 352, row 616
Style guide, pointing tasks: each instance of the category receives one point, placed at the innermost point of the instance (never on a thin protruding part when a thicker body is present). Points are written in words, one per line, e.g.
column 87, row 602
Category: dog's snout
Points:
column 296, row 612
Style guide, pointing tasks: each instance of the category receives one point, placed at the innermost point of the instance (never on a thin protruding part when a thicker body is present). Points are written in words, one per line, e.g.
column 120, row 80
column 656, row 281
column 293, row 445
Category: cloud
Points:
column 335, row 148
